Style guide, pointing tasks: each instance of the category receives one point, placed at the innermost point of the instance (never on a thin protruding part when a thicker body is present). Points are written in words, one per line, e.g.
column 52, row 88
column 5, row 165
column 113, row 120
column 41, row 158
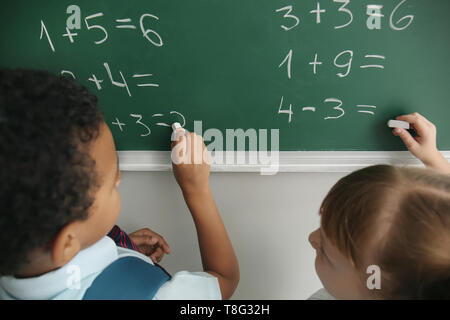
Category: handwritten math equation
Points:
column 94, row 23
column 114, row 76
column 343, row 61
column 158, row 118
column 337, row 104
column 374, row 12
column 139, row 79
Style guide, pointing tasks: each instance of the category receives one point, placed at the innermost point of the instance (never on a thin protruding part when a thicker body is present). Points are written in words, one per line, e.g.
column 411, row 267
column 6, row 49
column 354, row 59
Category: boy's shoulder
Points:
column 126, row 278
column 183, row 285
column 67, row 282
column 114, row 272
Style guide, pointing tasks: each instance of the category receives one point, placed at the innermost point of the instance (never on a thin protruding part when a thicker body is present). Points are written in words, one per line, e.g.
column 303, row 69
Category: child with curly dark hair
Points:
column 59, row 200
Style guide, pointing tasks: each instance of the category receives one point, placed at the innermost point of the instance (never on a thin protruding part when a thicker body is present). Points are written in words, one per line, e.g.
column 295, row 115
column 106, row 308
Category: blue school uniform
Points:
column 106, row 271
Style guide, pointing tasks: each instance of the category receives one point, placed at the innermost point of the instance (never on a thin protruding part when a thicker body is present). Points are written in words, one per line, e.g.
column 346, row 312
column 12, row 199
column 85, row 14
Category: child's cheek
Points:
column 318, row 263
column 117, row 203
column 112, row 211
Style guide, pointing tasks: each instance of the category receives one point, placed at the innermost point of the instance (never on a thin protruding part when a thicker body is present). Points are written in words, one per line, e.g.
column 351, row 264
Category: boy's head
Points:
column 395, row 221
column 58, row 170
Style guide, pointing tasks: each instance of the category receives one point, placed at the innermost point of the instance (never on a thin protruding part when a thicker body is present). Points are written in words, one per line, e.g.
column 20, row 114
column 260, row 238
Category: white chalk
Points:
column 398, row 124
column 176, row 126
column 177, row 131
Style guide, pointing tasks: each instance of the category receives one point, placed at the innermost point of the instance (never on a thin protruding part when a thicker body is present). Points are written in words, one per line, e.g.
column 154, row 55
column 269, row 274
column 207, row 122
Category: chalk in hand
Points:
column 177, row 131
column 176, row 126
column 398, row 124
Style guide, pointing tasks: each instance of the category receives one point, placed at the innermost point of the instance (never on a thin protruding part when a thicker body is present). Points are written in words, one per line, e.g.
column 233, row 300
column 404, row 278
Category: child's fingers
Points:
column 147, row 236
column 144, row 232
column 420, row 123
column 179, row 150
column 407, row 139
column 141, row 232
column 157, row 255
column 156, row 238
column 177, row 136
column 163, row 243
column 145, row 240
column 177, row 141
column 165, row 247
column 197, row 149
column 189, row 150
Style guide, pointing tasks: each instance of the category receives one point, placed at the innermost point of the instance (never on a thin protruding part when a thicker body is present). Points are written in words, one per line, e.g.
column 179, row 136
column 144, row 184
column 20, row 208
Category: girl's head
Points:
column 385, row 233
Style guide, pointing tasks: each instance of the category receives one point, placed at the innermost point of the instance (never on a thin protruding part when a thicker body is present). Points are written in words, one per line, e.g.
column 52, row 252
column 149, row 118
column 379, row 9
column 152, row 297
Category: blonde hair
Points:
column 405, row 214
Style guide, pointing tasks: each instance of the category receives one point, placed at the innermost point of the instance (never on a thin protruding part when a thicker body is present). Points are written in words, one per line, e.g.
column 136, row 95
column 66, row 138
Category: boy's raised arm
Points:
column 190, row 161
column 423, row 146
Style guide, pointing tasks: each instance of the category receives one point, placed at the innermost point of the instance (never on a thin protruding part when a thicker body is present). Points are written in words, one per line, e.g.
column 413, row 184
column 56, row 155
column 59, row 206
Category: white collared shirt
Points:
column 321, row 294
column 71, row 281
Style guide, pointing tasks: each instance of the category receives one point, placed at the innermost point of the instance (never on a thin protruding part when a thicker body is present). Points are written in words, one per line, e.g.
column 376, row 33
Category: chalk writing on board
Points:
column 341, row 112
column 366, row 106
column 343, row 61
column 312, row 109
column 128, row 81
column 395, row 25
column 122, row 84
column 124, row 26
column 315, row 63
column 294, row 20
column 291, row 18
column 288, row 62
column 119, row 124
column 137, row 75
column 145, row 125
column 70, row 35
column 96, row 81
column 318, row 12
column 347, row 65
column 93, row 23
column 140, row 79
column 373, row 56
column 138, row 121
column 96, row 26
column 44, row 29
column 338, row 107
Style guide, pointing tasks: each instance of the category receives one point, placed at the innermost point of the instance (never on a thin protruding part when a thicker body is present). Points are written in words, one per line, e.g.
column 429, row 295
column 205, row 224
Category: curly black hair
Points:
column 47, row 124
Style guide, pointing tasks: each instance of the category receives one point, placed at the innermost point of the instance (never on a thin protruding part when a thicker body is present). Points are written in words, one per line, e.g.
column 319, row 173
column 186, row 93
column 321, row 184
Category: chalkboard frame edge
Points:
column 289, row 161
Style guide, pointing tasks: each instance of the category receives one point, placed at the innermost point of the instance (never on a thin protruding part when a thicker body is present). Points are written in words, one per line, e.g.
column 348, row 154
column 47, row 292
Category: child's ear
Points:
column 65, row 246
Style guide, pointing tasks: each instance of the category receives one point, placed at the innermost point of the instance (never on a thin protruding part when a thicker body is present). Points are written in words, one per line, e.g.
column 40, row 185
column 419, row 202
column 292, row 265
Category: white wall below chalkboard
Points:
column 289, row 161
column 268, row 219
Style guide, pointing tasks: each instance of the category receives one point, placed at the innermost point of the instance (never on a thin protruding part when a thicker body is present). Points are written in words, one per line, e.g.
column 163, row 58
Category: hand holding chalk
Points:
column 179, row 144
column 398, row 124
column 176, row 126
column 177, row 132
column 423, row 146
column 190, row 160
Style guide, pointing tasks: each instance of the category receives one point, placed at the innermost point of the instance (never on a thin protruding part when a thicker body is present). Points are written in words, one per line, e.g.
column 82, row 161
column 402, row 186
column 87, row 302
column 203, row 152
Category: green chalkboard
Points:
column 290, row 65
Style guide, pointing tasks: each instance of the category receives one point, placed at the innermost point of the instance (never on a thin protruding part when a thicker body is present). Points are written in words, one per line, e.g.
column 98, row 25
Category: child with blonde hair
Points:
column 385, row 230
